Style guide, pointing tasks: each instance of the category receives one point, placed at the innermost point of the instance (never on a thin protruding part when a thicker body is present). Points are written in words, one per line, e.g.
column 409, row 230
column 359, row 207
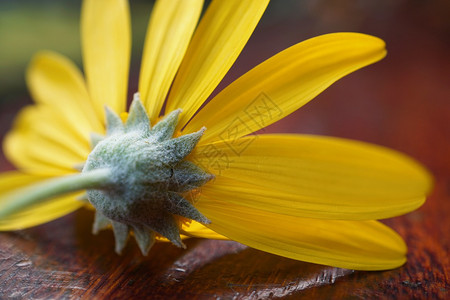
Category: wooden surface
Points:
column 402, row 102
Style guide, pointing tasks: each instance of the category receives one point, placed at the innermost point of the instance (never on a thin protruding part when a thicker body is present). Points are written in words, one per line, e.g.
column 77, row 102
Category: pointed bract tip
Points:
column 114, row 123
column 137, row 96
column 179, row 243
column 145, row 238
column 119, row 249
column 205, row 220
column 108, row 109
column 164, row 129
column 138, row 119
column 121, row 236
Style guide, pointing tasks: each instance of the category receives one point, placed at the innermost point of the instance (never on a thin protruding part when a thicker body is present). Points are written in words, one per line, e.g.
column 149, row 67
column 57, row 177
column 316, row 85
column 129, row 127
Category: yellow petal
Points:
column 169, row 32
column 55, row 81
column 284, row 83
column 361, row 245
column 217, row 42
column 313, row 177
column 37, row 214
column 195, row 229
column 106, row 44
column 43, row 141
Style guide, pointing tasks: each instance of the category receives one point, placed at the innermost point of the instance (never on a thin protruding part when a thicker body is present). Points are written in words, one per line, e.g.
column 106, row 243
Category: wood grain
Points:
column 402, row 102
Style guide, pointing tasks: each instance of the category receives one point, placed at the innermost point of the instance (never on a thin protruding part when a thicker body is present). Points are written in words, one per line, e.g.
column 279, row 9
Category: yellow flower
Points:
column 304, row 197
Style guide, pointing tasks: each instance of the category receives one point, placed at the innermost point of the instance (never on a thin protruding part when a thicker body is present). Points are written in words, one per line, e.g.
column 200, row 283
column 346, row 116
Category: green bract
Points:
column 148, row 178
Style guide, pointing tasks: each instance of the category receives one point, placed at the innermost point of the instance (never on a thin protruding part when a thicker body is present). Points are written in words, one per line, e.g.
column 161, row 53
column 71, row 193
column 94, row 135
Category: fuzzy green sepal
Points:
column 149, row 173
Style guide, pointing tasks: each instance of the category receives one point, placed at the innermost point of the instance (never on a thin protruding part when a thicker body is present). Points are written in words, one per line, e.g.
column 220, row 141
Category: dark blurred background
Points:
column 402, row 102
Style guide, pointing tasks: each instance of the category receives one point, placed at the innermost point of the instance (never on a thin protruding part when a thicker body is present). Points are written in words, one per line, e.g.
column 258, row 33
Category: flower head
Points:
column 305, row 197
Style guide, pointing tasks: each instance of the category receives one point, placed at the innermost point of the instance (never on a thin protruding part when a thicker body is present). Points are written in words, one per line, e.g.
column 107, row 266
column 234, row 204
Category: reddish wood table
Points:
column 402, row 102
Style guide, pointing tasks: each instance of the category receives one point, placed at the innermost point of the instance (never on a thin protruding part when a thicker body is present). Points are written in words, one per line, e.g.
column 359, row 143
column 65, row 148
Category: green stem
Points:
column 40, row 192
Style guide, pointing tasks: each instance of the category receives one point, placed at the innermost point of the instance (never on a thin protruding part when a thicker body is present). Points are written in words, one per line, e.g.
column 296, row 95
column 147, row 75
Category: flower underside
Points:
column 149, row 176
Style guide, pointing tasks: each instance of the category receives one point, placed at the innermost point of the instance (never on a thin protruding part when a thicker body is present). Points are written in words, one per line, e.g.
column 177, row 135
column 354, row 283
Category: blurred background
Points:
column 402, row 102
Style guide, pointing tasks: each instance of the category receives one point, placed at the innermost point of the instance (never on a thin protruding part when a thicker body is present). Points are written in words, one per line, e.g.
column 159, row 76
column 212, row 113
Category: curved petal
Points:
column 37, row 214
column 43, row 141
column 169, row 32
column 361, row 245
column 217, row 42
column 106, row 44
column 55, row 81
column 313, row 177
column 283, row 83
column 195, row 229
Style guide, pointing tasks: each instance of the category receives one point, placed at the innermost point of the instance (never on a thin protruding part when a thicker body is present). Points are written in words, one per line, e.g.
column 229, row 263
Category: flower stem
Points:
column 42, row 191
